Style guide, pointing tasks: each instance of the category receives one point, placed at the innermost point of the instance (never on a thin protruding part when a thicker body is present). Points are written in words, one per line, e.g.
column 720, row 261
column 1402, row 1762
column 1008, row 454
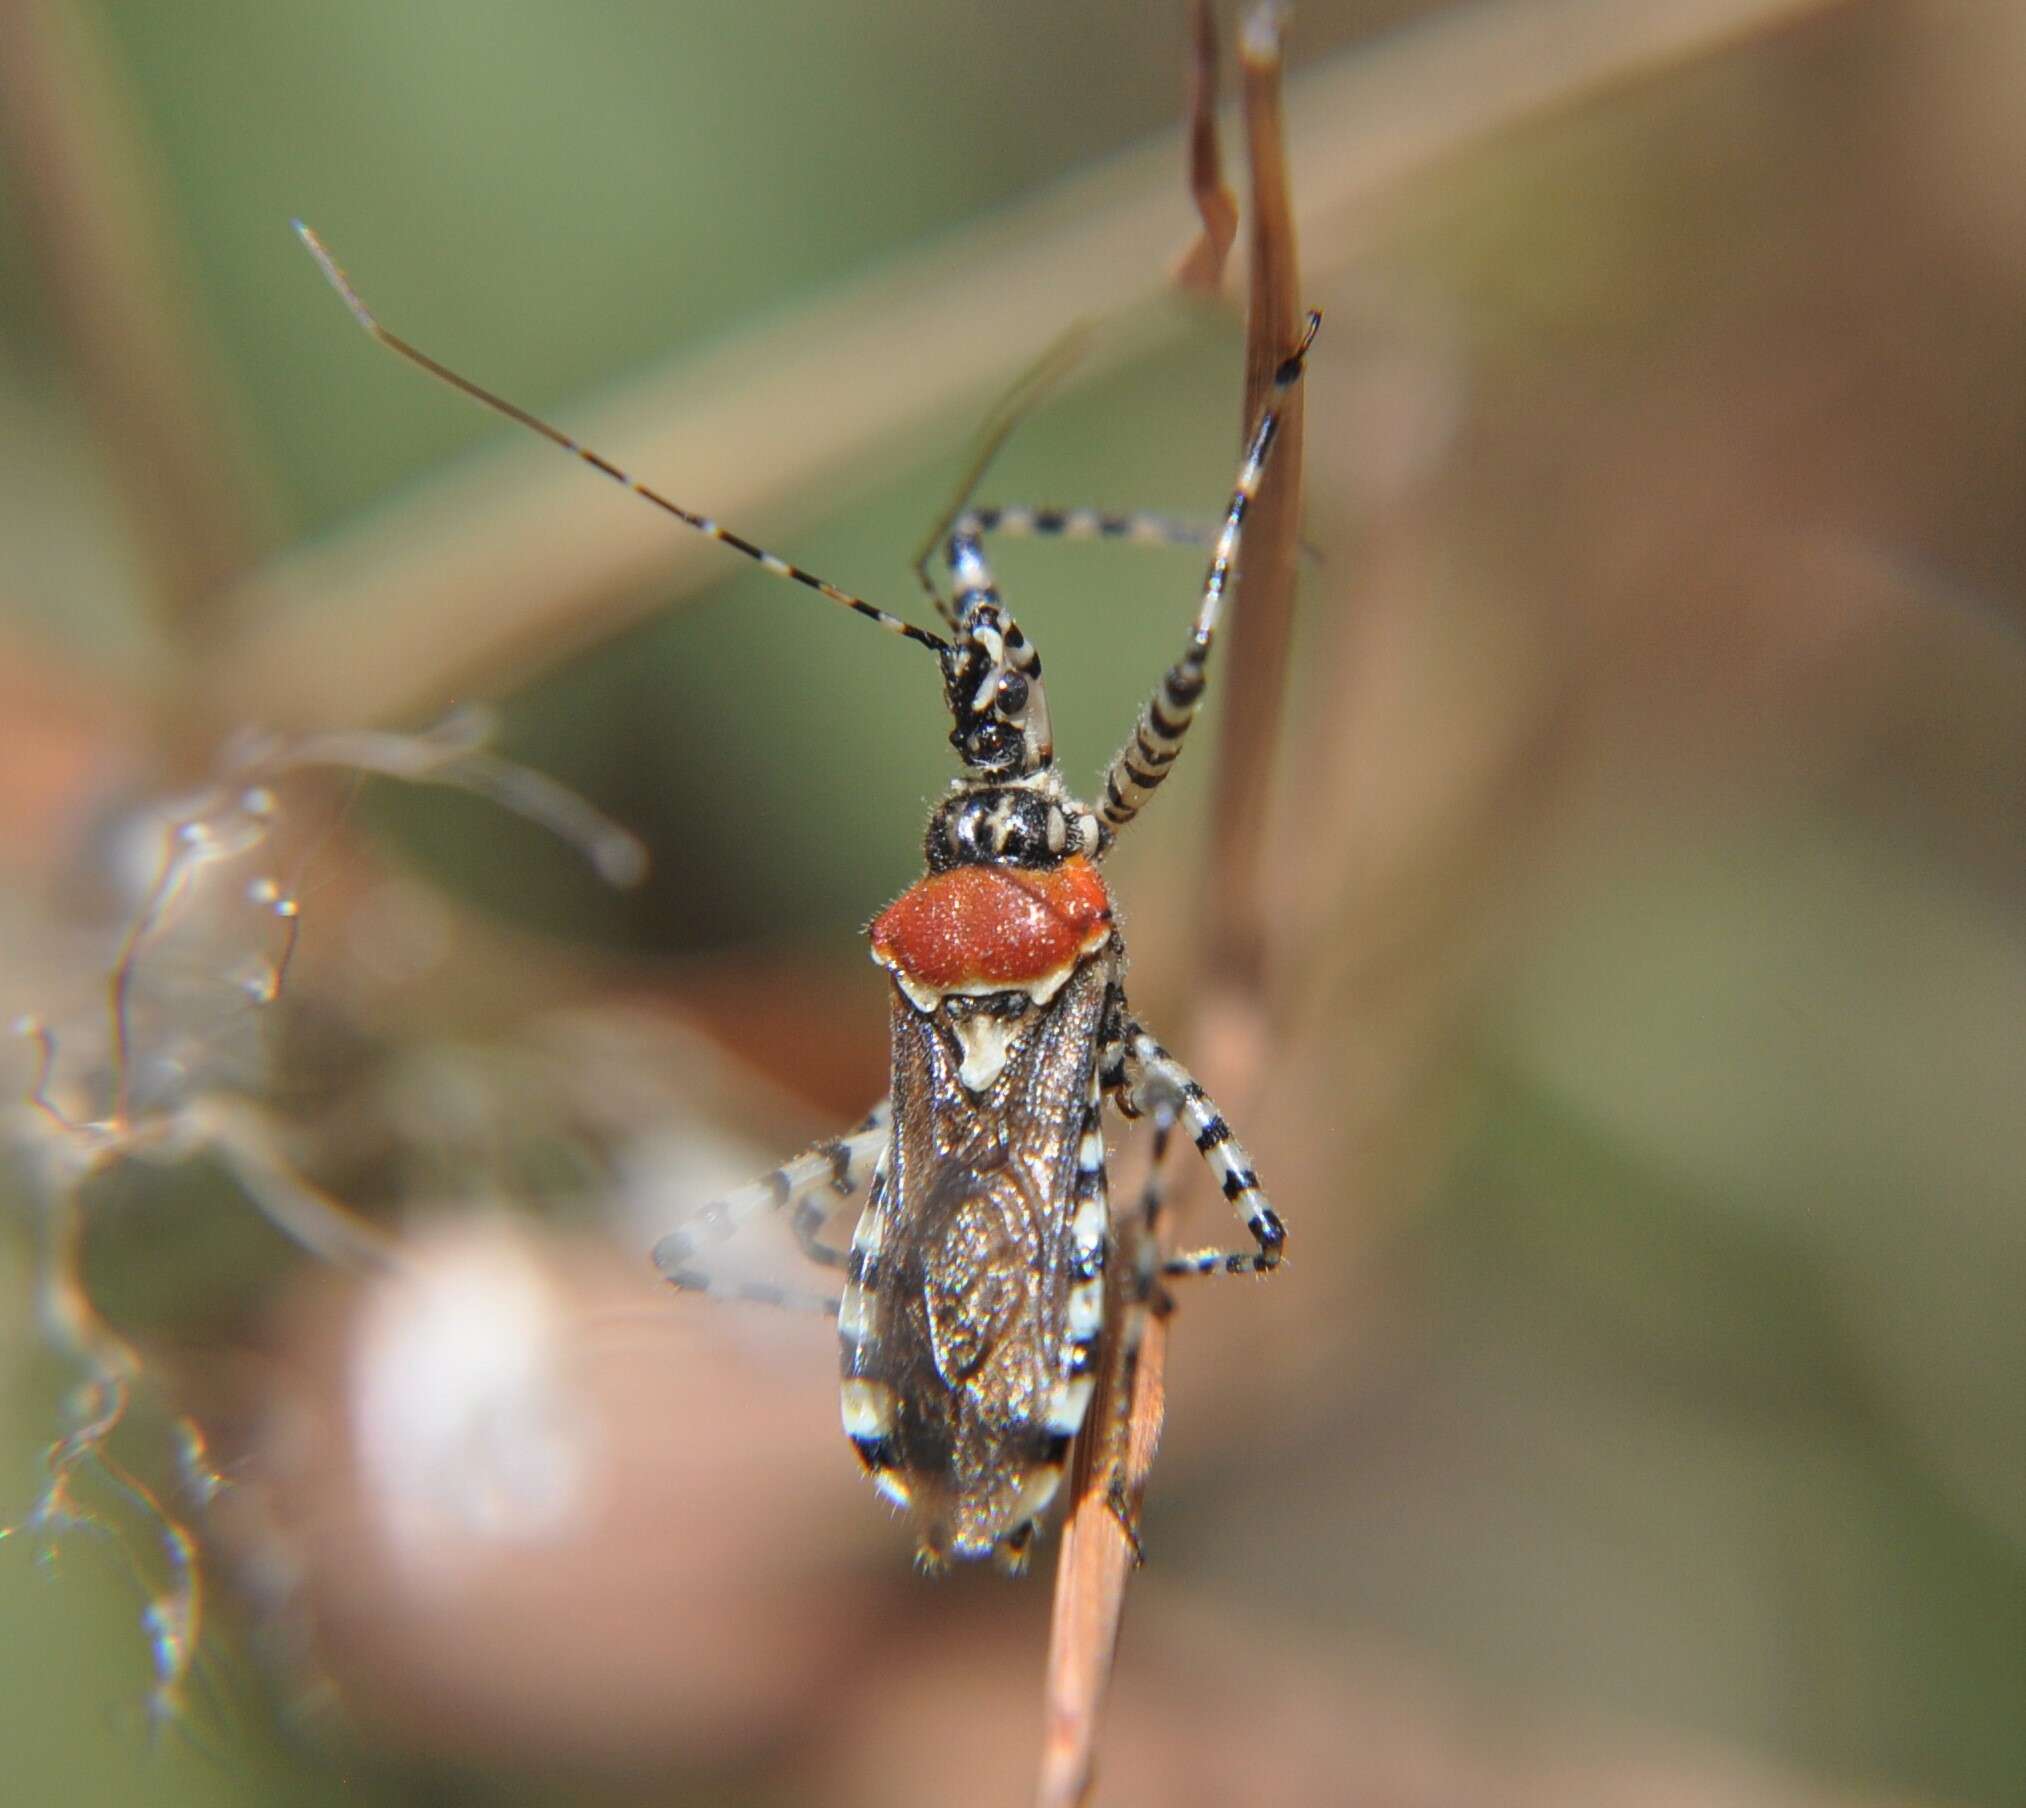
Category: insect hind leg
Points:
column 1142, row 1238
column 810, row 1189
column 1152, row 1080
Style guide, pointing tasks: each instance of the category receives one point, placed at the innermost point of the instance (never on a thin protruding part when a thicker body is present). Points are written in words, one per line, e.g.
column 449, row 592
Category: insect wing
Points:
column 967, row 1341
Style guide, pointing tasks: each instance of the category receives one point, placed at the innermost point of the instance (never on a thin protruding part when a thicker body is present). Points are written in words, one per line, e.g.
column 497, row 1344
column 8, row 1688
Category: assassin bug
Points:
column 974, row 1284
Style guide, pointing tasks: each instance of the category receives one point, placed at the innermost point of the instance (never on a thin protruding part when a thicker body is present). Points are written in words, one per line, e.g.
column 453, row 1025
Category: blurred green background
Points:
column 1640, row 1418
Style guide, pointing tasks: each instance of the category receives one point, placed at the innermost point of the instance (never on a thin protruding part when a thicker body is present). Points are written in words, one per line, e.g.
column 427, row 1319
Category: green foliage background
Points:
column 1707, row 1415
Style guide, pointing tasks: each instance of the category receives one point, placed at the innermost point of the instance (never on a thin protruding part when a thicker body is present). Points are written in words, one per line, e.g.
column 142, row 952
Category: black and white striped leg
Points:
column 1089, row 1250
column 870, row 1406
column 811, row 1188
column 1132, row 527
column 1137, row 527
column 1154, row 1078
column 1142, row 764
column 1148, row 1267
column 762, row 1293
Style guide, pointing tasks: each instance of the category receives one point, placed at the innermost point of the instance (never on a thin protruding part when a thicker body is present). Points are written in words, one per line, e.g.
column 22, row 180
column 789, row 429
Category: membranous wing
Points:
column 967, row 1343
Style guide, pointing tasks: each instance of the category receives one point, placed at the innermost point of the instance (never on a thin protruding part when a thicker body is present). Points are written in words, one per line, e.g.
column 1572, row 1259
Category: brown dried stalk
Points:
column 78, row 172
column 1201, row 269
column 1510, row 76
column 1262, row 627
column 1099, row 1554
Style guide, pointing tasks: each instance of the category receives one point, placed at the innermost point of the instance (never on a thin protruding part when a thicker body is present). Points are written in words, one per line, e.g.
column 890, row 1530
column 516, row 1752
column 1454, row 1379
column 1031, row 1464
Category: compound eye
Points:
column 1012, row 693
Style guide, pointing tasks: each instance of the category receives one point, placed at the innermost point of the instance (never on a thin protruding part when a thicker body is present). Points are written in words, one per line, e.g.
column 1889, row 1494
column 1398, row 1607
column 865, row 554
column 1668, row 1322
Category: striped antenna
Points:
column 703, row 524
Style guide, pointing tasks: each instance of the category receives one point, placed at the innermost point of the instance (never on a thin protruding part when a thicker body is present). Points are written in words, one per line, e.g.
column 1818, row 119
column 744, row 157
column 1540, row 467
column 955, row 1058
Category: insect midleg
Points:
column 1147, row 1292
column 1143, row 762
column 1152, row 1079
column 810, row 1188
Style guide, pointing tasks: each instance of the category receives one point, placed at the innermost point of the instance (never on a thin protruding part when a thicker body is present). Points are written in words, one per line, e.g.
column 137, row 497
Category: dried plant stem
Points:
column 1262, row 622
column 1096, row 1560
column 1502, row 48
column 79, row 176
column 1108, row 1484
column 1201, row 268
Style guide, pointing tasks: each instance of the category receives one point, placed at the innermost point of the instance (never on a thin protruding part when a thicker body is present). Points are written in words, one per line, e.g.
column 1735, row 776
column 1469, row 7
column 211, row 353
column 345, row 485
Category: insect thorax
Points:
column 984, row 943
column 1031, row 822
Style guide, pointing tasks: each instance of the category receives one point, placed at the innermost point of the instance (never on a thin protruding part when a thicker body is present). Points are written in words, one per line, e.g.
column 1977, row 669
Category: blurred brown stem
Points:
column 1201, row 268
column 78, row 172
column 1099, row 1554
column 1262, row 620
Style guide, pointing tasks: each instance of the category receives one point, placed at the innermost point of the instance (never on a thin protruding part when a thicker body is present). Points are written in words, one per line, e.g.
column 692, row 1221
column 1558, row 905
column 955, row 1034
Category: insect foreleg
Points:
column 810, row 1188
column 1140, row 527
column 1153, row 1078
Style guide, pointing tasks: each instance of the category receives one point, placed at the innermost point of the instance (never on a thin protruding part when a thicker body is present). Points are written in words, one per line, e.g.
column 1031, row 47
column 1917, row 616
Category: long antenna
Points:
column 703, row 524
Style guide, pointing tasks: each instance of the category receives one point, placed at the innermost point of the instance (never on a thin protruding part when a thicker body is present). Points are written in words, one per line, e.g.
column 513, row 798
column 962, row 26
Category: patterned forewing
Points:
column 968, row 1320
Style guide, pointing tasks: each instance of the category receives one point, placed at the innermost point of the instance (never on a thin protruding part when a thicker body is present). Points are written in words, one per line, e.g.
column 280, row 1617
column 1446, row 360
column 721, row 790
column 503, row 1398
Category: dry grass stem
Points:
column 1098, row 1555
column 1096, row 1561
column 1201, row 269
column 1513, row 76
column 1255, row 649
column 97, row 235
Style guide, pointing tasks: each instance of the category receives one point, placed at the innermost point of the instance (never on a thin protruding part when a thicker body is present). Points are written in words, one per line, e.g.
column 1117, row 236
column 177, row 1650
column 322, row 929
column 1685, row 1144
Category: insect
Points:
column 974, row 1295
